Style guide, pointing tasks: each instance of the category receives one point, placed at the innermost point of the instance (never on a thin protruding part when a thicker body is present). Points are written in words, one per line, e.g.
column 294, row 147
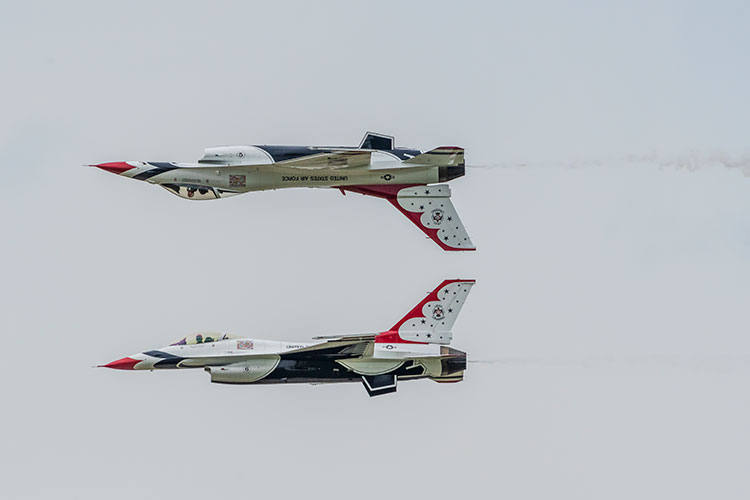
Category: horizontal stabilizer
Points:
column 450, row 379
column 377, row 385
column 444, row 156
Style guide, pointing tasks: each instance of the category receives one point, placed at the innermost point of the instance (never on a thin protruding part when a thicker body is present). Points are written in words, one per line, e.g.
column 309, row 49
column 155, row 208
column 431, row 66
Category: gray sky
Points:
column 612, row 290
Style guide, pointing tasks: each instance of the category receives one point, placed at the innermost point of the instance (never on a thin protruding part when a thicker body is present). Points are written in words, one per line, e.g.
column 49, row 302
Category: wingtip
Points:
column 458, row 280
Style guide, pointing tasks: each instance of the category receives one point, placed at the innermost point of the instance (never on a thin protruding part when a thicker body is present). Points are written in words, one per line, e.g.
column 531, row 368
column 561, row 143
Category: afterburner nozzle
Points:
column 446, row 174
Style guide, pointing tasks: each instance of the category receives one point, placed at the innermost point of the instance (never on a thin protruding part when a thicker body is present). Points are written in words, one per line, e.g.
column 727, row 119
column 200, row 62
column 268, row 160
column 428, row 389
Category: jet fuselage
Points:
column 418, row 346
column 404, row 177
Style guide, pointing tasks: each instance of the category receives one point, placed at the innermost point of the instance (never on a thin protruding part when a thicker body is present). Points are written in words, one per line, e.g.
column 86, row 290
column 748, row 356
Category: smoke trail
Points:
column 692, row 363
column 690, row 161
column 695, row 161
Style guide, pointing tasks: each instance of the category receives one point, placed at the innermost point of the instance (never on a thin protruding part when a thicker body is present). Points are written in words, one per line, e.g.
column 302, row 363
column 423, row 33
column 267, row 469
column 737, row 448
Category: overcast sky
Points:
column 613, row 268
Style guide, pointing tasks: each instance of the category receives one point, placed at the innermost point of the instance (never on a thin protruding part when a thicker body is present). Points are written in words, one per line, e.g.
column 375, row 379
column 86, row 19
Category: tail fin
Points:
column 432, row 319
column 429, row 208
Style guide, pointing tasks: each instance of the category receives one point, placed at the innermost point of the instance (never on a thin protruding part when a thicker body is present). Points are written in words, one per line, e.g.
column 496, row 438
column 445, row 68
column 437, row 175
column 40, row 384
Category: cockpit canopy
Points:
column 235, row 155
column 204, row 338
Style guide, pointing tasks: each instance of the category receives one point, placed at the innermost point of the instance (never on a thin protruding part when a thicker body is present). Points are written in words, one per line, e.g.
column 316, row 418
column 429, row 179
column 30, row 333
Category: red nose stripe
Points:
column 116, row 167
column 123, row 364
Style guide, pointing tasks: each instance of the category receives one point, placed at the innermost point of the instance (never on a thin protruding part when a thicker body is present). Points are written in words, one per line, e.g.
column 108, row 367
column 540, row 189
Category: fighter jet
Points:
column 405, row 177
column 416, row 347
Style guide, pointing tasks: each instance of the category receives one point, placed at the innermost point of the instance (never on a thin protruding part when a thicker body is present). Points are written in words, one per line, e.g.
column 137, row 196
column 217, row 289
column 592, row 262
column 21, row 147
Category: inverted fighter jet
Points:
column 405, row 177
column 416, row 347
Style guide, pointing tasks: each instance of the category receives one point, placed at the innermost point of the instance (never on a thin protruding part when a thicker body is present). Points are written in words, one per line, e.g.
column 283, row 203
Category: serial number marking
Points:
column 313, row 178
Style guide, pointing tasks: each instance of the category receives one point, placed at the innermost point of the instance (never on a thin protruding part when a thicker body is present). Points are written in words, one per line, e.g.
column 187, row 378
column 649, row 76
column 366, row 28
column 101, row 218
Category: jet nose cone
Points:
column 116, row 167
column 122, row 364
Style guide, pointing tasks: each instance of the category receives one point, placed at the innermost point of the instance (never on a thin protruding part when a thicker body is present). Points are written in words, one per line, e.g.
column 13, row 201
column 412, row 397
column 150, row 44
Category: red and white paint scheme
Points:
column 408, row 178
column 416, row 347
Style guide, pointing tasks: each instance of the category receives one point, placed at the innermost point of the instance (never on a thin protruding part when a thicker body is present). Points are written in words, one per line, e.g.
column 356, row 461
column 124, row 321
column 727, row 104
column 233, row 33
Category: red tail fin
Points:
column 431, row 321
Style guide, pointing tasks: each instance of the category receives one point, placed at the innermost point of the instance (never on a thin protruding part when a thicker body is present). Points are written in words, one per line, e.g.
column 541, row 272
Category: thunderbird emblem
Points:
column 438, row 313
column 437, row 216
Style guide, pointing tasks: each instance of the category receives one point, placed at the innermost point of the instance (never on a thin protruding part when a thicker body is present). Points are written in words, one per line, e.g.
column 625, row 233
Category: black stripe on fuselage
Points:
column 166, row 360
column 324, row 371
column 159, row 168
column 284, row 153
column 160, row 354
column 335, row 352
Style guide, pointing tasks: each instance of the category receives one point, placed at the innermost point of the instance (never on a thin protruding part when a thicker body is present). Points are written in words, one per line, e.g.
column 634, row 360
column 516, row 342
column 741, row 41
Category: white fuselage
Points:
column 217, row 352
column 221, row 352
column 246, row 178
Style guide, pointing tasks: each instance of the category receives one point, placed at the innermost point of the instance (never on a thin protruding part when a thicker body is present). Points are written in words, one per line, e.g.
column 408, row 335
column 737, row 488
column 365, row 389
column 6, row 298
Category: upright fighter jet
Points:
column 416, row 347
column 404, row 177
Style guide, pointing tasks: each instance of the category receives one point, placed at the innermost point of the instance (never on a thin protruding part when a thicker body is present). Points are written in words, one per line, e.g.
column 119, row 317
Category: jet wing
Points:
column 339, row 348
column 339, row 159
column 368, row 337
column 342, row 347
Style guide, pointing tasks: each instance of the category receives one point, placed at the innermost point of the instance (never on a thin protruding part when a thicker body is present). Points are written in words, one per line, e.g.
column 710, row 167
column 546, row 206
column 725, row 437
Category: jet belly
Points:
column 260, row 178
column 218, row 177
column 284, row 177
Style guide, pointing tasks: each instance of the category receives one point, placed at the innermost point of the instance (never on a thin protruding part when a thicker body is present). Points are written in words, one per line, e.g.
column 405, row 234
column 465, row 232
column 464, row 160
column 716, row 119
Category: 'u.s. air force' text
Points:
column 313, row 178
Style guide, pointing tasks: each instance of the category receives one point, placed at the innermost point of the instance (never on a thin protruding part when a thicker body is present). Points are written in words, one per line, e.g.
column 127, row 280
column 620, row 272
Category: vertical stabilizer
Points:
column 431, row 321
